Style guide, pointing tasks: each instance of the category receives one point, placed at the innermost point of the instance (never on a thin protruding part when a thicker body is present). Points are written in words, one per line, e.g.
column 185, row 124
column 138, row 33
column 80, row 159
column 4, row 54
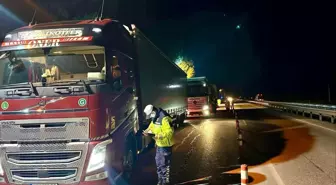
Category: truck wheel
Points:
column 177, row 122
column 214, row 109
column 129, row 160
column 182, row 118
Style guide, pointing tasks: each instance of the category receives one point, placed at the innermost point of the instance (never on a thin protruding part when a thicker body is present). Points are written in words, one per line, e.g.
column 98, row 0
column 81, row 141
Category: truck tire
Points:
column 214, row 109
column 129, row 158
column 177, row 123
column 182, row 118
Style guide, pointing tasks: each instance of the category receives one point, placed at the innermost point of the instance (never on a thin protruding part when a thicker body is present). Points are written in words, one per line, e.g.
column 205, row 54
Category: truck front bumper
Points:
column 198, row 113
column 98, row 182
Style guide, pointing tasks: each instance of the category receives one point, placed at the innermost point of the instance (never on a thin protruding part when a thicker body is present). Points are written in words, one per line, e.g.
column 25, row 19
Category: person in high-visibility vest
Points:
column 161, row 127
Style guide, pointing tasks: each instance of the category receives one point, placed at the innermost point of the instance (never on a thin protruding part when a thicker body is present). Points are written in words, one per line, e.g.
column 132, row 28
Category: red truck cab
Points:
column 202, row 97
column 72, row 95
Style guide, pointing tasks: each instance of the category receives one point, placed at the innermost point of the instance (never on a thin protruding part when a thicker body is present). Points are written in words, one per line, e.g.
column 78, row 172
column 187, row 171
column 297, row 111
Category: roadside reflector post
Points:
column 243, row 174
column 240, row 147
column 240, row 139
column 237, row 125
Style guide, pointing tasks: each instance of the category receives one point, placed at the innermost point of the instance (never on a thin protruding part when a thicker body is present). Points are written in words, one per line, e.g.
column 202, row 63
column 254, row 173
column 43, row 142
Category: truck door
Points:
column 121, row 105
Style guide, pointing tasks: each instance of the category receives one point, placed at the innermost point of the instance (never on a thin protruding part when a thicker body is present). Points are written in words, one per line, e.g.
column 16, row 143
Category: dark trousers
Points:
column 163, row 164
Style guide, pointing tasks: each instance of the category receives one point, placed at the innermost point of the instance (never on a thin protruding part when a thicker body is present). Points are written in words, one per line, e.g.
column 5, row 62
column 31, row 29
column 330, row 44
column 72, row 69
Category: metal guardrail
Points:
column 307, row 105
column 322, row 111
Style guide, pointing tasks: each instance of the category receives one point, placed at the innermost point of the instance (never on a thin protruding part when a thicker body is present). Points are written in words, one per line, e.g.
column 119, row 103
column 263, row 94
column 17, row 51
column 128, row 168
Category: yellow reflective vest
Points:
column 163, row 131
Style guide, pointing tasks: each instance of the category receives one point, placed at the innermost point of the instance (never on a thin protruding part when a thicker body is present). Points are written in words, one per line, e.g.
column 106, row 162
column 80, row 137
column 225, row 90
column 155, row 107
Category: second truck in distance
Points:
column 202, row 97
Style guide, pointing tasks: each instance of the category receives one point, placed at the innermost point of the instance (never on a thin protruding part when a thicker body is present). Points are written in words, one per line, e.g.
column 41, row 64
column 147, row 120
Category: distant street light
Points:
column 238, row 26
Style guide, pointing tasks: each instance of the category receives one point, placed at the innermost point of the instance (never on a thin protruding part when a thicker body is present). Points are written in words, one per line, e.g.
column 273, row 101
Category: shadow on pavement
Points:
column 272, row 140
column 255, row 114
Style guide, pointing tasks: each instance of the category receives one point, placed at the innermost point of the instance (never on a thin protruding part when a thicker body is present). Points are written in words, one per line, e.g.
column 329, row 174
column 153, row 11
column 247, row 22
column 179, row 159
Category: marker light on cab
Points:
column 97, row 30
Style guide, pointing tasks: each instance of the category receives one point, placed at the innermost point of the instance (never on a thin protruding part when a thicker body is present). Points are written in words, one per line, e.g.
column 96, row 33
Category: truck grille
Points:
column 195, row 103
column 29, row 175
column 37, row 130
column 43, row 162
column 44, row 157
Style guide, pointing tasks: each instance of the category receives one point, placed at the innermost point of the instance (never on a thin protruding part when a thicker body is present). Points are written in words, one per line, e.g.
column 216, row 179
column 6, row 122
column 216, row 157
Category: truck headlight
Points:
column 206, row 113
column 1, row 170
column 97, row 158
column 206, row 107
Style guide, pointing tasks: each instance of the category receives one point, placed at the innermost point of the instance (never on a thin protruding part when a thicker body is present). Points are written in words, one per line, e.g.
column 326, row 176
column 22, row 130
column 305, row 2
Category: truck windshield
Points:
column 56, row 65
column 197, row 90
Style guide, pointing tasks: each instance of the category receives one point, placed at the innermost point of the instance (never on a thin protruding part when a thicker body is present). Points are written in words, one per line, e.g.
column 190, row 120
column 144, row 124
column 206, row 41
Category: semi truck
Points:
column 72, row 95
column 202, row 97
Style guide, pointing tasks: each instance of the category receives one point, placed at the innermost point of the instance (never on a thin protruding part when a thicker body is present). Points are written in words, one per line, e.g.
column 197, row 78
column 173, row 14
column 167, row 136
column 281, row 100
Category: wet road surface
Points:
column 278, row 150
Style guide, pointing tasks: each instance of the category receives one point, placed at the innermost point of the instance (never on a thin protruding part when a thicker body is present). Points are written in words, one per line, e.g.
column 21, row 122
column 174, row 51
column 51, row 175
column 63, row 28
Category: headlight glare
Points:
column 206, row 107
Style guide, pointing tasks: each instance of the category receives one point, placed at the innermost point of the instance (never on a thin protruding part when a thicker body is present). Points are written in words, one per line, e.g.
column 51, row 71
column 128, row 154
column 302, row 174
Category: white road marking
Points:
column 196, row 127
column 184, row 139
column 285, row 128
column 244, row 122
column 195, row 138
column 303, row 121
column 275, row 174
column 307, row 122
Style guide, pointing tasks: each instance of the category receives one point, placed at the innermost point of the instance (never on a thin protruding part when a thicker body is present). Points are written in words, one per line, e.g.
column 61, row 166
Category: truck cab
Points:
column 72, row 95
column 202, row 97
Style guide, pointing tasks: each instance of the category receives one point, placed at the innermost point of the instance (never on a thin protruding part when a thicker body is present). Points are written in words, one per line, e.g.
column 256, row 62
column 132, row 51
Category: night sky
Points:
column 280, row 50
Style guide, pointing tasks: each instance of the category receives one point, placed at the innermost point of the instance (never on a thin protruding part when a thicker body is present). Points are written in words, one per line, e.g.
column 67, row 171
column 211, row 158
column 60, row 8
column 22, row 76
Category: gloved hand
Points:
column 145, row 133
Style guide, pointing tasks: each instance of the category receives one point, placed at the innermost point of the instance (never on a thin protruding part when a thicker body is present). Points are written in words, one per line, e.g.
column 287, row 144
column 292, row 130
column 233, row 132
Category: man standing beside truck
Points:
column 161, row 127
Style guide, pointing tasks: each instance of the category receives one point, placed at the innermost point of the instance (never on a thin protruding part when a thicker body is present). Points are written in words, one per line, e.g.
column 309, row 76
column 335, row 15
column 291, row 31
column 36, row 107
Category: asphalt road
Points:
column 278, row 150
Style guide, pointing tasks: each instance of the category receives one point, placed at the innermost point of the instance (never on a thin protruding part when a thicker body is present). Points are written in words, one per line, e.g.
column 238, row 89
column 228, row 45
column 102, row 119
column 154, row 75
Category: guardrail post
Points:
column 332, row 119
column 311, row 115
column 303, row 113
column 320, row 117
